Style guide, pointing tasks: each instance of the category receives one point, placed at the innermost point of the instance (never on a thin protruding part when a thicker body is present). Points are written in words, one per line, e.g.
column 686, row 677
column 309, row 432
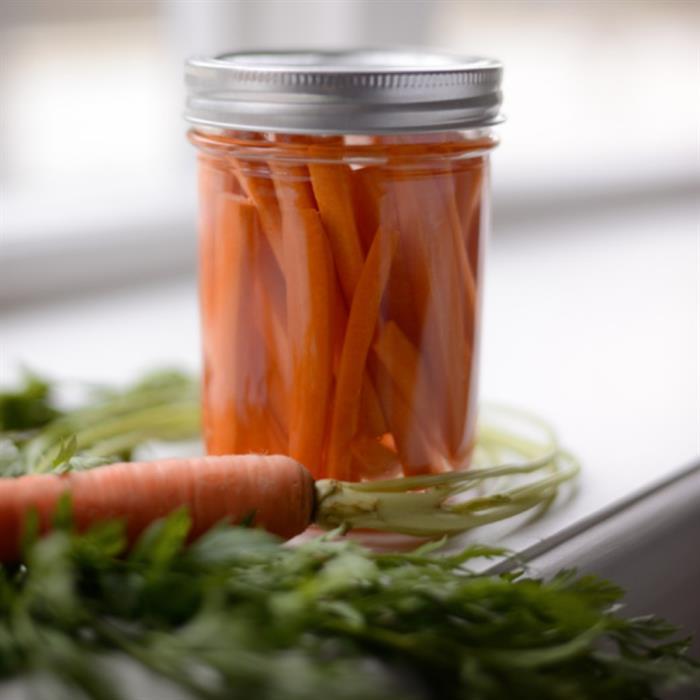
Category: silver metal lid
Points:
column 358, row 92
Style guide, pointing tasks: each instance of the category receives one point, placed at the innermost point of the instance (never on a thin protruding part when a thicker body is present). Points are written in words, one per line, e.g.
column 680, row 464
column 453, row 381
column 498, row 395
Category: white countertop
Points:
column 593, row 321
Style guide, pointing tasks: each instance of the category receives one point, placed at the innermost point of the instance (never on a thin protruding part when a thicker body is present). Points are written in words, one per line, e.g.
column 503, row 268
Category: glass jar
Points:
column 343, row 213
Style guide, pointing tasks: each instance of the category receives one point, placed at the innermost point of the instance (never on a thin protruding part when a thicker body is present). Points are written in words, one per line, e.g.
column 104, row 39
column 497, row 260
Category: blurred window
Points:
column 600, row 98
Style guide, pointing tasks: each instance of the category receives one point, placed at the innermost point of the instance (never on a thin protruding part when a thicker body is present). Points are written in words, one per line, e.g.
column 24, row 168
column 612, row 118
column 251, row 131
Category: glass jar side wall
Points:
column 340, row 286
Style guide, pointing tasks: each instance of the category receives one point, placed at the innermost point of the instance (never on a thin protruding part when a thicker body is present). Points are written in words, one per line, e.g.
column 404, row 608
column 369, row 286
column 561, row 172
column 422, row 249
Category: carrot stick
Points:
column 257, row 183
column 358, row 338
column 465, row 284
column 234, row 364
column 376, row 460
column 416, row 453
column 292, row 188
column 340, row 322
column 445, row 186
column 309, row 285
column 277, row 492
column 469, row 180
column 368, row 195
column 370, row 409
column 371, row 414
column 375, row 202
column 332, row 186
column 213, row 180
column 445, row 341
column 409, row 285
column 271, row 315
column 333, row 189
column 402, row 362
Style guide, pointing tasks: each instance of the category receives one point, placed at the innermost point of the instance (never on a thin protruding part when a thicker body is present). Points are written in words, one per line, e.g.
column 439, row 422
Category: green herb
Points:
column 28, row 407
column 162, row 406
column 237, row 615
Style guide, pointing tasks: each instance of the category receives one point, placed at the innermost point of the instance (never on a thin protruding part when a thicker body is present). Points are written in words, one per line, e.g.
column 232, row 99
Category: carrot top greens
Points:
column 237, row 615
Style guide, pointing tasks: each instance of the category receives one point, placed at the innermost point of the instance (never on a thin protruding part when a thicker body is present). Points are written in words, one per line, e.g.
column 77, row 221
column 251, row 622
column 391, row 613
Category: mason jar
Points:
column 344, row 205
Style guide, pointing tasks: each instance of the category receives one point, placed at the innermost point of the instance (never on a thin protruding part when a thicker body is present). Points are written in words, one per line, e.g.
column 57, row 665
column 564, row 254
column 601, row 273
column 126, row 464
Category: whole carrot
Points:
column 276, row 492
column 279, row 494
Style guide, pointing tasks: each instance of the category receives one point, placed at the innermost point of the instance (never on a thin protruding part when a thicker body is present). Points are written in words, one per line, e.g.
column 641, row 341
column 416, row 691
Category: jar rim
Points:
column 338, row 92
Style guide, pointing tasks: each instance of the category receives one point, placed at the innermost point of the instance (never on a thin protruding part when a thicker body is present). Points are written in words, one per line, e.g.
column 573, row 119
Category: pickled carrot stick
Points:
column 409, row 290
column 445, row 186
column 337, row 189
column 444, row 338
column 293, row 190
column 402, row 362
column 375, row 201
column 213, row 180
column 368, row 196
column 309, row 268
column 474, row 240
column 277, row 437
column 416, row 454
column 465, row 279
column 258, row 185
column 332, row 186
column 375, row 459
column 469, row 179
column 358, row 338
column 340, row 323
column 271, row 299
column 236, row 230
column 271, row 314
column 370, row 409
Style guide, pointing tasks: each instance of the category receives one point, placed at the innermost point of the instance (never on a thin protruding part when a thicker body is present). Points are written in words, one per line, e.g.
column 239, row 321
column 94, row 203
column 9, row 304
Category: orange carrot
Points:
column 402, row 362
column 416, row 453
column 332, row 185
column 367, row 194
column 235, row 366
column 213, row 181
column 275, row 491
column 377, row 461
column 333, row 190
column 469, row 179
column 445, row 189
column 309, row 298
column 370, row 408
column 271, row 315
column 465, row 289
column 293, row 191
column 256, row 181
column 358, row 338
column 468, row 188
column 444, row 314
column 370, row 411
column 409, row 287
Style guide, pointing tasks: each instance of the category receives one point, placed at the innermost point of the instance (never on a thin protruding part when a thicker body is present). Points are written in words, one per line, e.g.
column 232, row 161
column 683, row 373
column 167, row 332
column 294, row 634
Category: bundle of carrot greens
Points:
column 236, row 615
column 107, row 612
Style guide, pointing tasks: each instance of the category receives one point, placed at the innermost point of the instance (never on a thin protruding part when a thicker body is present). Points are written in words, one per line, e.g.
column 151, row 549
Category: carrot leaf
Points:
column 237, row 614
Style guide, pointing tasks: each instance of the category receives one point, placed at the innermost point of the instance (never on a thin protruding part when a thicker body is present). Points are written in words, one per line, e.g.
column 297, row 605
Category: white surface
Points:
column 591, row 321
